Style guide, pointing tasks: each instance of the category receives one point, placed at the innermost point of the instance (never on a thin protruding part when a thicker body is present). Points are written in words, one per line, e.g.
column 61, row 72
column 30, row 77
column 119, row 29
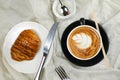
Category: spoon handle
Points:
column 60, row 2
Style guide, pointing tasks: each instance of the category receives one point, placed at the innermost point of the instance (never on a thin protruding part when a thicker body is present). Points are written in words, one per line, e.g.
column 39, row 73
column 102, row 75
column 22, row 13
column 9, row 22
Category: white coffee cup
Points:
column 84, row 42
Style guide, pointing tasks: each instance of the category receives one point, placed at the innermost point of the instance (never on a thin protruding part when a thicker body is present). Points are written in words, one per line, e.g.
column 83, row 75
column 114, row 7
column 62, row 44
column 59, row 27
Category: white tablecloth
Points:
column 108, row 14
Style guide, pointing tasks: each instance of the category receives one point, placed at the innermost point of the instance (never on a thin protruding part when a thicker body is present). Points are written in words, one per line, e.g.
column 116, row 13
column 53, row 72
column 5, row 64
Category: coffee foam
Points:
column 83, row 40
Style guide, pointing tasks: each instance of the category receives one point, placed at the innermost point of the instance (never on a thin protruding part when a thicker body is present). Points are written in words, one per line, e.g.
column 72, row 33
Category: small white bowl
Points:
column 70, row 4
column 26, row 66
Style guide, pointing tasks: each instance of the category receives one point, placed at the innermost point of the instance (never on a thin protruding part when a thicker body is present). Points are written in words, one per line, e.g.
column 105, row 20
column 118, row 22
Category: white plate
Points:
column 25, row 66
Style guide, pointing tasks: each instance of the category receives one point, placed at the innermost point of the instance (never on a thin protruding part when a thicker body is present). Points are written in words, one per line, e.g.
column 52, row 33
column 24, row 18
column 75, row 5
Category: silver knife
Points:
column 46, row 49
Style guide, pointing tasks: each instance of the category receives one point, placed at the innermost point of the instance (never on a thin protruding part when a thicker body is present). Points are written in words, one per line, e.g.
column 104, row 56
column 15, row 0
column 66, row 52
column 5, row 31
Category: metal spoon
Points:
column 65, row 11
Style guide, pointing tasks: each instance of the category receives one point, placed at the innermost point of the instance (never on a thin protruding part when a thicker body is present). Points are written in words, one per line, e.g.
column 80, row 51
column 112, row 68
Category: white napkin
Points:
column 15, row 11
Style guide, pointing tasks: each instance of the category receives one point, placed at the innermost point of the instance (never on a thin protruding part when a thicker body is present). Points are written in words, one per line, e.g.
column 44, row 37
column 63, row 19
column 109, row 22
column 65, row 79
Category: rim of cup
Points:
column 96, row 31
column 60, row 16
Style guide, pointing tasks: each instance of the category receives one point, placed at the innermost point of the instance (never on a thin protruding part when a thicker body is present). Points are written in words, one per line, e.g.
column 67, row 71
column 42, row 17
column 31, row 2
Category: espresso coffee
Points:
column 84, row 42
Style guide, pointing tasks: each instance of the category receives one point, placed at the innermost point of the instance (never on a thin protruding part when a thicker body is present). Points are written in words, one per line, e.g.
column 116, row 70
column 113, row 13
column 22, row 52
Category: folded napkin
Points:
column 14, row 11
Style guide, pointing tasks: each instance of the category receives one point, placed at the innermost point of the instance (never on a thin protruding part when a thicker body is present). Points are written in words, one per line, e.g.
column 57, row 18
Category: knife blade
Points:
column 46, row 49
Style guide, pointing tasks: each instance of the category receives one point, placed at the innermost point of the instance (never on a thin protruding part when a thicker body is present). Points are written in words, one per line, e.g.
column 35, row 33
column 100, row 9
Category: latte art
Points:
column 84, row 42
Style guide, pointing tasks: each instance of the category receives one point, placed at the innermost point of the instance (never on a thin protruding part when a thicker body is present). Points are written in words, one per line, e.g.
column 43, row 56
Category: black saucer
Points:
column 84, row 63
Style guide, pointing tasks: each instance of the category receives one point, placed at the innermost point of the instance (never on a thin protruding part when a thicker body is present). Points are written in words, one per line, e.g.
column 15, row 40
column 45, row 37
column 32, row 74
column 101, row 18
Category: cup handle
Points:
column 82, row 21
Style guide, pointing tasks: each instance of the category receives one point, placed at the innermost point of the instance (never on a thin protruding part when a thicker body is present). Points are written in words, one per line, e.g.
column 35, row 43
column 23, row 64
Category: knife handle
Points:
column 37, row 77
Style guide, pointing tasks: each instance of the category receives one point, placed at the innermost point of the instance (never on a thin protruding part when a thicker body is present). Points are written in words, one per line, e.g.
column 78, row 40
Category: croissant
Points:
column 25, row 46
